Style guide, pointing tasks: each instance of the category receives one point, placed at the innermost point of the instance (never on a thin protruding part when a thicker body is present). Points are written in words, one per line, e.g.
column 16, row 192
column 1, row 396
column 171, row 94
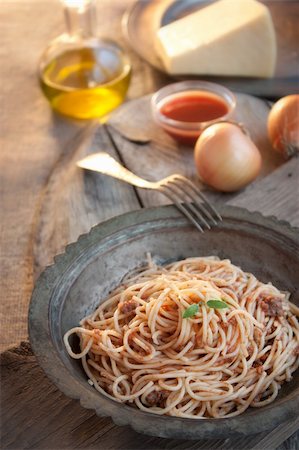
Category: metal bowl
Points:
column 90, row 268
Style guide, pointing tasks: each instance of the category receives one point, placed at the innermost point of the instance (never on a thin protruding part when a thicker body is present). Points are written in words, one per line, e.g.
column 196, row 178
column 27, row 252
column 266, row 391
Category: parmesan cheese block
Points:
column 228, row 37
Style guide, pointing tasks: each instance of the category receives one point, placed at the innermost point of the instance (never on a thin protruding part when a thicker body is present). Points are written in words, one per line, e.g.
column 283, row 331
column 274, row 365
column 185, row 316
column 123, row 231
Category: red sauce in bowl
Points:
column 194, row 107
column 191, row 107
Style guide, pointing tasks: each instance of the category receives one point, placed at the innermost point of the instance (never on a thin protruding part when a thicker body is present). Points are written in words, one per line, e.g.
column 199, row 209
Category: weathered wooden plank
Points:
column 163, row 156
column 74, row 200
column 56, row 422
column 272, row 195
column 276, row 195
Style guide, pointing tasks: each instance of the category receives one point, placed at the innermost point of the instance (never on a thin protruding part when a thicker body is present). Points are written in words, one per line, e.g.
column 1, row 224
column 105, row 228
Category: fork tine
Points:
column 177, row 197
column 175, row 188
column 181, row 207
column 192, row 196
column 199, row 193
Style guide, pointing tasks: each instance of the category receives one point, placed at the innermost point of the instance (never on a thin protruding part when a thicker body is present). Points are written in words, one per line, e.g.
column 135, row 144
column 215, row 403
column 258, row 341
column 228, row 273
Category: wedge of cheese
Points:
column 228, row 37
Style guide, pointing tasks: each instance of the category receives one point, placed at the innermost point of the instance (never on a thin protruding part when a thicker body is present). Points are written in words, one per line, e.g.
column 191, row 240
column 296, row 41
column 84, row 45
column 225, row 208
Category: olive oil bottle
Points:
column 81, row 75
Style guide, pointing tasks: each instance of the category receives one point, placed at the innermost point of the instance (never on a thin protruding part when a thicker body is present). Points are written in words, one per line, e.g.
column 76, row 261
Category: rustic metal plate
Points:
column 83, row 276
column 142, row 20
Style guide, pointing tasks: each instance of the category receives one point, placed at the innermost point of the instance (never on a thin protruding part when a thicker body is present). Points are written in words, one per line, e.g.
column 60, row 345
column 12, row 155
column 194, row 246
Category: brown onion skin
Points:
column 226, row 158
column 283, row 125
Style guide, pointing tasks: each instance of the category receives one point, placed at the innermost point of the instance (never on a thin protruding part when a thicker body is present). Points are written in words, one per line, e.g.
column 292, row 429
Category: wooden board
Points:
column 91, row 197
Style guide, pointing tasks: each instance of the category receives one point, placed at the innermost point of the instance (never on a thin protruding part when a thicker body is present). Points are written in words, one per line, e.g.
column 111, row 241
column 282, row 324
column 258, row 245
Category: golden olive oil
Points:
column 86, row 82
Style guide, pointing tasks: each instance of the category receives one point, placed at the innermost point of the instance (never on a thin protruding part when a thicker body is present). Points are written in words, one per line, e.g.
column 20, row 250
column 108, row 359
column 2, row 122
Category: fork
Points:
column 182, row 192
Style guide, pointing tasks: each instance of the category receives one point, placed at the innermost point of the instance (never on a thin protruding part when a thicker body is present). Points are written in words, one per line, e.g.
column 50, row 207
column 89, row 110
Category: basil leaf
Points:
column 217, row 304
column 191, row 311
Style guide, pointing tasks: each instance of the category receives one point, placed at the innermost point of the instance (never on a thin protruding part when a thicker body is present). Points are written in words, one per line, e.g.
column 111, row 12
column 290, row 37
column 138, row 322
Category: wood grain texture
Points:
column 73, row 201
column 277, row 195
column 56, row 422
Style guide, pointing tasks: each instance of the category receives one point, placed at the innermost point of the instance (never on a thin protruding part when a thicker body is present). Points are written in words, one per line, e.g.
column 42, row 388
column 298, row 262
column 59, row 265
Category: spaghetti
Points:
column 149, row 346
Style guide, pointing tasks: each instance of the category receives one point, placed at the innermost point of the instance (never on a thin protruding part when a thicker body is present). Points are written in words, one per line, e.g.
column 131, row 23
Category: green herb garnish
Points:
column 217, row 304
column 191, row 311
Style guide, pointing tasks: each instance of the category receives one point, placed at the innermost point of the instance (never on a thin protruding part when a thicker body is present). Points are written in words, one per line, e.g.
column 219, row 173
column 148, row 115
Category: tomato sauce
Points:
column 192, row 107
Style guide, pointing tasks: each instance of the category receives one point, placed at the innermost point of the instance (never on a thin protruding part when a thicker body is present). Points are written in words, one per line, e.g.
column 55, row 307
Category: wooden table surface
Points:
column 47, row 202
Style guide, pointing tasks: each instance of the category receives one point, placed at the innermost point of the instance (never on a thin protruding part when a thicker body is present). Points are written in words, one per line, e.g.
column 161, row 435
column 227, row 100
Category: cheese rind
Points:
column 229, row 37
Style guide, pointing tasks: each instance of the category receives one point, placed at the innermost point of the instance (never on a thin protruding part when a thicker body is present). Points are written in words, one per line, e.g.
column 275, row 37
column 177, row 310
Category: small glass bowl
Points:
column 187, row 132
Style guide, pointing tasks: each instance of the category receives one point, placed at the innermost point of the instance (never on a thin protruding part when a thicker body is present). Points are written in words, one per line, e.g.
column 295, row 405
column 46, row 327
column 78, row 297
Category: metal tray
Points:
column 142, row 20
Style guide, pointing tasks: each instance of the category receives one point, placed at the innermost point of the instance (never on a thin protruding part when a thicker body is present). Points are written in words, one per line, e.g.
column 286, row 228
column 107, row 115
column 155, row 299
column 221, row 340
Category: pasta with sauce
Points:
column 198, row 338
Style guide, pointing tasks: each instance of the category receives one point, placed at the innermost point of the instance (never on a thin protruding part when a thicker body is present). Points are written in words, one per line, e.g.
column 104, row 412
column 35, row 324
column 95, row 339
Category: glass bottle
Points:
column 81, row 75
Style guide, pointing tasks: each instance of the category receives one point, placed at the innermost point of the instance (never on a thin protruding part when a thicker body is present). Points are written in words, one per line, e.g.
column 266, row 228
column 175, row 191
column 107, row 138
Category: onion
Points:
column 225, row 157
column 283, row 125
